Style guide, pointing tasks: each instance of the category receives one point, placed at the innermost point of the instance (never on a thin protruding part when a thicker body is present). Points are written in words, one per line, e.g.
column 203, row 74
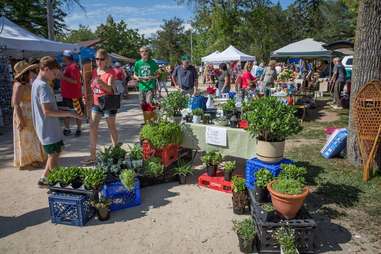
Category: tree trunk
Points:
column 50, row 18
column 366, row 63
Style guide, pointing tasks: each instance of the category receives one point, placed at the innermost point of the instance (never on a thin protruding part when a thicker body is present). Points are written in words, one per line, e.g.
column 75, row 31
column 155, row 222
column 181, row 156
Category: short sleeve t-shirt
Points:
column 97, row 90
column 185, row 77
column 47, row 128
column 69, row 90
column 144, row 69
column 245, row 79
column 340, row 72
column 119, row 74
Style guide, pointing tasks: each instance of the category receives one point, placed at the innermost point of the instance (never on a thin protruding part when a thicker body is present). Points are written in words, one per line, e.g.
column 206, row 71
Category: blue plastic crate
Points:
column 254, row 164
column 120, row 197
column 335, row 144
column 70, row 209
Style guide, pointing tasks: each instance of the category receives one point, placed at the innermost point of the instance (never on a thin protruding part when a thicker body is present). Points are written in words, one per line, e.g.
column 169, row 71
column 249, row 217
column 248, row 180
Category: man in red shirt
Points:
column 71, row 91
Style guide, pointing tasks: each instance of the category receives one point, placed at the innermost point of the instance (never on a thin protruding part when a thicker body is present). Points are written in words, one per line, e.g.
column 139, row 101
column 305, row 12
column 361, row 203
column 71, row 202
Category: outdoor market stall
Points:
column 229, row 54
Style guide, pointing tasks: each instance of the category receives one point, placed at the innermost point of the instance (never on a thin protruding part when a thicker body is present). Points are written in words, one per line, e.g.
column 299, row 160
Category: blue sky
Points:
column 147, row 16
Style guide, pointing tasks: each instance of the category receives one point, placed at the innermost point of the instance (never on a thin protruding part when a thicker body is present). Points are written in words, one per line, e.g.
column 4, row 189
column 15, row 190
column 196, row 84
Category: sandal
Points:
column 88, row 162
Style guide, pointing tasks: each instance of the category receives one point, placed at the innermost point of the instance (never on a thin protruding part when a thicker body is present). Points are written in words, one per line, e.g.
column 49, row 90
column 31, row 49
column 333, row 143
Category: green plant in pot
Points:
column 239, row 195
column 197, row 115
column 262, row 178
column 229, row 108
column 293, row 172
column 173, row 104
column 285, row 236
column 154, row 168
column 211, row 160
column 127, row 178
column 246, row 233
column 271, row 122
column 102, row 207
column 267, row 211
column 228, row 167
column 54, row 176
column 111, row 160
column 183, row 171
column 136, row 156
column 66, row 176
column 162, row 134
column 94, row 178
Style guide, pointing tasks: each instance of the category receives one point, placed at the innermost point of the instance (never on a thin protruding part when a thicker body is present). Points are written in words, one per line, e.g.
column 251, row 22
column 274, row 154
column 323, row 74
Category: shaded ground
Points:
column 185, row 219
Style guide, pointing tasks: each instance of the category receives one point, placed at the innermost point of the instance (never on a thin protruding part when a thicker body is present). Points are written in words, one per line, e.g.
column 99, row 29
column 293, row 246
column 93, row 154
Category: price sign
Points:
column 216, row 136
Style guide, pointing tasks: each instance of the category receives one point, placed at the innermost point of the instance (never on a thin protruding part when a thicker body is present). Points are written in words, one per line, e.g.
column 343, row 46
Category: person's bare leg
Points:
column 94, row 123
column 66, row 121
column 51, row 163
column 79, row 123
column 111, row 123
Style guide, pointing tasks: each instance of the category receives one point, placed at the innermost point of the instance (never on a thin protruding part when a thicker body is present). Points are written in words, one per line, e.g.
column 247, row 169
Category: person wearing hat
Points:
column 45, row 114
column 185, row 76
column 71, row 91
column 28, row 151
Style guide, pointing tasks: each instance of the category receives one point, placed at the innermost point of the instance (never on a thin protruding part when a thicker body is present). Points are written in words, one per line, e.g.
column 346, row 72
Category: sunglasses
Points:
column 99, row 59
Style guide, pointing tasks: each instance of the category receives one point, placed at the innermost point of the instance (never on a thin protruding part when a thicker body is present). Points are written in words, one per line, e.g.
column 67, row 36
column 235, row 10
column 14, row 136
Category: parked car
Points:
column 347, row 63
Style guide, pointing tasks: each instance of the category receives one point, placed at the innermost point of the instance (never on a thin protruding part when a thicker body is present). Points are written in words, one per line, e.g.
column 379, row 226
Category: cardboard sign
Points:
column 216, row 136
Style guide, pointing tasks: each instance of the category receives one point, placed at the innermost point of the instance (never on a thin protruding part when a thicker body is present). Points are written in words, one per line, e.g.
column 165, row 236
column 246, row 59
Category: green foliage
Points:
column 292, row 171
column 102, row 203
column 184, row 170
column 245, row 229
column 262, row 178
column 288, row 186
column 174, row 103
column 136, row 152
column 229, row 106
column 271, row 120
column 229, row 166
column 238, row 184
column 285, row 75
column 162, row 133
column 94, row 178
column 268, row 207
column 83, row 33
column 154, row 168
column 127, row 177
column 197, row 112
column 111, row 159
column 285, row 236
column 212, row 158
column 54, row 176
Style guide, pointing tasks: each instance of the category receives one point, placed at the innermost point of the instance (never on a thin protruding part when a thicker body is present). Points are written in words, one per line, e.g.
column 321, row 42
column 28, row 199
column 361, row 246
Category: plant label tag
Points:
column 216, row 136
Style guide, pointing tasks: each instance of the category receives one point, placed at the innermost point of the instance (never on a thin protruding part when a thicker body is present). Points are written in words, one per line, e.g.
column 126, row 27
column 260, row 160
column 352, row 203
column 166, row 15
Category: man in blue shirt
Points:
column 185, row 76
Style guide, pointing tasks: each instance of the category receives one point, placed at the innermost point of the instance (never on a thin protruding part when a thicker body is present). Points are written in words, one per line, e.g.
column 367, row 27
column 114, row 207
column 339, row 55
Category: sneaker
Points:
column 77, row 133
column 43, row 182
column 67, row 132
column 337, row 107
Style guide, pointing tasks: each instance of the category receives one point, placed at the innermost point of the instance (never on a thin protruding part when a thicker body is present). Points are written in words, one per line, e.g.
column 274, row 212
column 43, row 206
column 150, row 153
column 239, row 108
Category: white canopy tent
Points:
column 307, row 48
column 17, row 42
column 231, row 54
column 206, row 59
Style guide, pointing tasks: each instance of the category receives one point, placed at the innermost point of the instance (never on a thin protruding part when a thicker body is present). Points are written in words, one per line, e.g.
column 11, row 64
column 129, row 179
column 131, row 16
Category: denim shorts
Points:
column 106, row 113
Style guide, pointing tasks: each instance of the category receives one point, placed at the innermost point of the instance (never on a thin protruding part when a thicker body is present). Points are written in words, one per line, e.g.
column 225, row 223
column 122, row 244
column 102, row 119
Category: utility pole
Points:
column 50, row 18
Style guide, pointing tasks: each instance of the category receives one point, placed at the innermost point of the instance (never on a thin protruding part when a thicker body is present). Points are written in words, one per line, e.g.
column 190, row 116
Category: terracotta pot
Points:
column 287, row 205
column 270, row 152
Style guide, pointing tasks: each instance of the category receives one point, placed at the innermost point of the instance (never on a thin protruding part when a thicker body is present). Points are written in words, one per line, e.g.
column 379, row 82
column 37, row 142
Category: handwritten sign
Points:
column 216, row 136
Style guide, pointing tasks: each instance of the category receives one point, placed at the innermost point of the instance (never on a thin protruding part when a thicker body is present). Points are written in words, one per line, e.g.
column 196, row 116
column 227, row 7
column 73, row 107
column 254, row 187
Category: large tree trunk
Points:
column 50, row 18
column 366, row 62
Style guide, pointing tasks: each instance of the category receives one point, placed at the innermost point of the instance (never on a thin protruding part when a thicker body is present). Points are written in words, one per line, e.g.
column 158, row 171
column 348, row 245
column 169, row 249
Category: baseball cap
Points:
column 67, row 53
column 185, row 58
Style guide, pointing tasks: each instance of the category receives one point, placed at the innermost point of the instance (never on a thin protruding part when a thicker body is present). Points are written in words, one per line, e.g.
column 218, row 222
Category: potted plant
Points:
column 154, row 167
column 206, row 118
column 65, row 177
column 246, row 233
column 94, row 178
column 136, row 156
column 127, row 178
column 233, row 121
column 294, row 172
column 197, row 114
column 228, row 167
column 111, row 160
column 285, row 236
column 102, row 207
column 262, row 178
column 54, row 176
column 228, row 108
column 162, row 134
column 183, row 172
column 271, row 122
column 239, row 195
column 267, row 211
column 76, row 177
column 211, row 160
column 173, row 104
column 221, row 121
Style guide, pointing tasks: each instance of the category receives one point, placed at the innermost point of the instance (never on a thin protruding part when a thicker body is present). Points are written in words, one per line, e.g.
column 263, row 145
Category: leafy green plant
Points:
column 174, row 103
column 285, row 236
column 162, row 134
column 292, row 171
column 245, row 229
column 271, row 120
column 127, row 177
column 111, row 159
column 54, row 176
column 102, row 203
column 94, row 178
column 184, row 170
column 262, row 178
column 197, row 112
column 229, row 166
column 136, row 152
column 212, row 158
column 229, row 106
column 154, row 168
column 238, row 184
column 268, row 207
column 288, row 186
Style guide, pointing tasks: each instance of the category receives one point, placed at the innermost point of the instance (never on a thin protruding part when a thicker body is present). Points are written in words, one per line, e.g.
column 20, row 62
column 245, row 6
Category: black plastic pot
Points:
column 211, row 170
column 182, row 179
column 76, row 183
column 246, row 246
column 240, row 203
column 261, row 195
column 233, row 124
column 63, row 185
column 188, row 118
column 227, row 175
column 103, row 214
